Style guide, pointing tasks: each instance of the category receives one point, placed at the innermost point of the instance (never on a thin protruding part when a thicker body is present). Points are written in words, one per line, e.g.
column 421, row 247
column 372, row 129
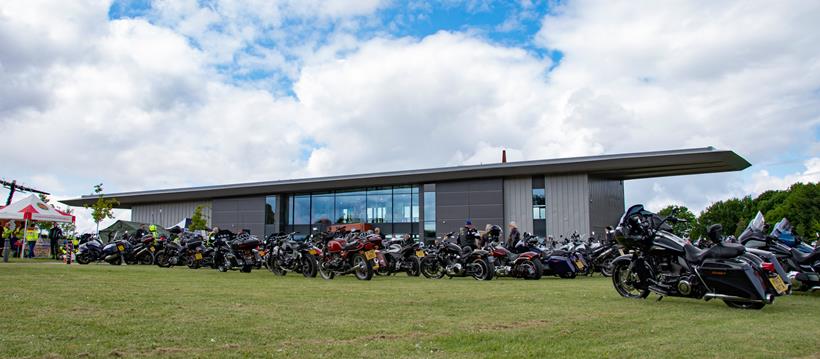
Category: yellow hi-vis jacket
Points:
column 32, row 235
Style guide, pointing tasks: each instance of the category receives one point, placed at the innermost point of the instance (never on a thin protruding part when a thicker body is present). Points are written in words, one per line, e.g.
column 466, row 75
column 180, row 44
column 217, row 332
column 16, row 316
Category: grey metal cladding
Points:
column 240, row 213
column 606, row 203
column 485, row 197
column 487, row 211
column 451, row 212
column 567, row 200
column 518, row 202
column 459, row 198
column 481, row 201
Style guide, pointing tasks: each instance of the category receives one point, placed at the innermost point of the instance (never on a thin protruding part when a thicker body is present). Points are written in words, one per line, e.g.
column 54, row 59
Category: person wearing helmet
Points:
column 153, row 229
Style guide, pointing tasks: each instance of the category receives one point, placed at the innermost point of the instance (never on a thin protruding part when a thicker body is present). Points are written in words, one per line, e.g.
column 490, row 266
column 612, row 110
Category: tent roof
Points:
column 33, row 209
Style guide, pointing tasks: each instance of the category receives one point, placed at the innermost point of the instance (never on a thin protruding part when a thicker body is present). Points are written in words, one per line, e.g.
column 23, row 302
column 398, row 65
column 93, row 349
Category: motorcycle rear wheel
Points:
column 622, row 277
column 146, row 259
column 430, row 268
column 246, row 268
column 485, row 271
column 363, row 269
column 534, row 269
column 224, row 266
column 274, row 267
column 744, row 305
column 606, row 267
column 309, row 266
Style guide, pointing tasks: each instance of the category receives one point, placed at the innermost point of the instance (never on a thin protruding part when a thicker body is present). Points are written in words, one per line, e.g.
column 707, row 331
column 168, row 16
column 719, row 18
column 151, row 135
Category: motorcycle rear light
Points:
column 769, row 267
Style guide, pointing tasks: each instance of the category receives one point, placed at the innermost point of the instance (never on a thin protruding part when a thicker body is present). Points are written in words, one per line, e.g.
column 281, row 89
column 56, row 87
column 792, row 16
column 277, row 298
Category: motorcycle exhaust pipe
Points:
column 814, row 289
column 709, row 296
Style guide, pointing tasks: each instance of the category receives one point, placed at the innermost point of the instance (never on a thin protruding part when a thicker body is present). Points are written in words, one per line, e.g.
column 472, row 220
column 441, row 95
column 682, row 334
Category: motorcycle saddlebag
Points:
column 559, row 265
column 733, row 278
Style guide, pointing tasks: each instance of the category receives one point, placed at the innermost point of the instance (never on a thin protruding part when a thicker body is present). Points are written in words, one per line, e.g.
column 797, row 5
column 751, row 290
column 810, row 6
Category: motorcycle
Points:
column 555, row 262
column 525, row 265
column 663, row 263
column 799, row 265
column 171, row 254
column 447, row 258
column 115, row 253
column 142, row 250
column 603, row 253
column 400, row 255
column 283, row 254
column 783, row 232
column 347, row 253
column 232, row 252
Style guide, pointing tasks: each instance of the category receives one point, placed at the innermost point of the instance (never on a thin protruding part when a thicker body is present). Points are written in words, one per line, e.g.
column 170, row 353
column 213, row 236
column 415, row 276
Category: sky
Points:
column 158, row 94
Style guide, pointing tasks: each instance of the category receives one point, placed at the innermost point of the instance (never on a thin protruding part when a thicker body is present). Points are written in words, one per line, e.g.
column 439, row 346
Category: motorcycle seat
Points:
column 560, row 253
column 805, row 258
column 720, row 251
column 350, row 245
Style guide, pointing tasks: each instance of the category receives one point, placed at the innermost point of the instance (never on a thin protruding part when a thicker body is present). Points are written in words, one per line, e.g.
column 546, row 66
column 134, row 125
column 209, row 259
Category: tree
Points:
column 733, row 214
column 801, row 206
column 682, row 212
column 197, row 220
column 103, row 208
column 69, row 228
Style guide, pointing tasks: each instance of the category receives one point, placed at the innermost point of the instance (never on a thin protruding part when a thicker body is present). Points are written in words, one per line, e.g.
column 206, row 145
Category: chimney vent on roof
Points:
column 503, row 156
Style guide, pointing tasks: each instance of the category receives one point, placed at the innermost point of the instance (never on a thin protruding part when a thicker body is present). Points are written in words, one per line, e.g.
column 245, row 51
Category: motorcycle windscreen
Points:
column 732, row 278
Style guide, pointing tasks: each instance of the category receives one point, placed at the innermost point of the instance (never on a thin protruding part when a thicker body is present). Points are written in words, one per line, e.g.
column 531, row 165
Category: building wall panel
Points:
column 567, row 200
column 481, row 201
column 169, row 214
column 518, row 203
column 606, row 203
column 235, row 214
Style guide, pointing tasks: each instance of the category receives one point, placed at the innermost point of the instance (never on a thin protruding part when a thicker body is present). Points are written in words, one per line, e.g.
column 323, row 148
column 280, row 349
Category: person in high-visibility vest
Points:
column 32, row 234
column 154, row 232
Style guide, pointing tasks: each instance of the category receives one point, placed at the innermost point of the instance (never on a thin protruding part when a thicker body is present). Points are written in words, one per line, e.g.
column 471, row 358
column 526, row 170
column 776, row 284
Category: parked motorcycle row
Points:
column 642, row 255
column 748, row 272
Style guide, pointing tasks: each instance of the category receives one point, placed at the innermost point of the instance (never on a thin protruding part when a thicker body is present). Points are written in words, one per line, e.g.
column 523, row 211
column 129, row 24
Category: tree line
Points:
column 800, row 204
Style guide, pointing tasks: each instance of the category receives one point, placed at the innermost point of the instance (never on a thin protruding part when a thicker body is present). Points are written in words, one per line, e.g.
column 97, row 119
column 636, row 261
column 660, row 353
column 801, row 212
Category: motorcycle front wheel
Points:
column 274, row 267
column 246, row 268
column 431, row 268
column 309, row 266
column 415, row 267
column 363, row 269
column 606, row 267
column 624, row 281
column 224, row 265
column 326, row 274
column 146, row 259
column 163, row 260
column 82, row 258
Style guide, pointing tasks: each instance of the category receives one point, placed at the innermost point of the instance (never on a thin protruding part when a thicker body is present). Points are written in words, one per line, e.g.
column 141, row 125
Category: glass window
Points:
column 538, row 198
column 539, row 212
column 402, row 208
column 379, row 205
column 350, row 207
column 270, row 209
column 301, row 209
column 322, row 208
column 429, row 206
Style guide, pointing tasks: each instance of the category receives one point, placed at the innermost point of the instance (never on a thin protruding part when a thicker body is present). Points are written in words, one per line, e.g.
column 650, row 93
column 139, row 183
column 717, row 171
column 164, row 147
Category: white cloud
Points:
column 763, row 181
column 139, row 105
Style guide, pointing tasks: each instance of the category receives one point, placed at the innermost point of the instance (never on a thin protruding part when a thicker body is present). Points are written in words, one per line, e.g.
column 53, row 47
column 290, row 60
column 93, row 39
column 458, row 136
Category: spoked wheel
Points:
column 415, row 267
column 326, row 273
column 363, row 269
column 431, row 268
column 224, row 265
column 309, row 266
column 482, row 269
column 744, row 305
column 533, row 269
column 624, row 280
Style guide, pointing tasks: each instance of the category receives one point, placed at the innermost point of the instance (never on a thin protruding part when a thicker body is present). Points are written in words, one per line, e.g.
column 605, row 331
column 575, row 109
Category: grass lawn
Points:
column 55, row 310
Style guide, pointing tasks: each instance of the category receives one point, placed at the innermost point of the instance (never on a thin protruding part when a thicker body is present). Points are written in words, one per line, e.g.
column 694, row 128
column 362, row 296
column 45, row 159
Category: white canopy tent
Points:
column 32, row 208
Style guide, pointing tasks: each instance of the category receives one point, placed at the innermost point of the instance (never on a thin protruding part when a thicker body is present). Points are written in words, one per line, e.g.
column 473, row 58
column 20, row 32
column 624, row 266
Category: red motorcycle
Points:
column 349, row 254
column 526, row 265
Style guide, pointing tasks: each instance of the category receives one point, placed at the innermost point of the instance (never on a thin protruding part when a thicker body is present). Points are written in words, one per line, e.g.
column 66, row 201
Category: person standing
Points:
column 514, row 236
column 54, row 235
column 32, row 234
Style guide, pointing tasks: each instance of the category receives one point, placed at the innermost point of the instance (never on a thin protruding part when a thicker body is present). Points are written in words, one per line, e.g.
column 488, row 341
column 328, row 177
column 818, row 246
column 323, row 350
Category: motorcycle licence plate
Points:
column 778, row 284
column 420, row 254
column 370, row 254
column 151, row 248
column 198, row 256
column 121, row 248
column 313, row 252
column 261, row 253
column 579, row 264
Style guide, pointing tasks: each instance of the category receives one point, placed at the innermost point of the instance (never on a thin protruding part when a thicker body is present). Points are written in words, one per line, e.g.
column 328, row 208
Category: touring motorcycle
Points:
column 447, row 258
column 284, row 254
column 665, row 264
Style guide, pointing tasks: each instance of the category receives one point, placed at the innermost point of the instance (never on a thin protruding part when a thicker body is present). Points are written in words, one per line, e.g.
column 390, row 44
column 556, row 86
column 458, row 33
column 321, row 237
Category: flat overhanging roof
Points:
column 625, row 166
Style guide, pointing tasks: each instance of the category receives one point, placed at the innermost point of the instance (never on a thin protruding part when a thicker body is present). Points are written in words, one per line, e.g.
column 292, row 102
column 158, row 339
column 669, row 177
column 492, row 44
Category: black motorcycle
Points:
column 601, row 254
column 284, row 254
column 447, row 258
column 400, row 255
column 232, row 252
column 665, row 264
column 801, row 273
column 171, row 254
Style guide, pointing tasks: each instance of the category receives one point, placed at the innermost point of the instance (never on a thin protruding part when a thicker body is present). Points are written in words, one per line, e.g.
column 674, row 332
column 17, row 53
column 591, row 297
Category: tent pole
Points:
column 23, row 242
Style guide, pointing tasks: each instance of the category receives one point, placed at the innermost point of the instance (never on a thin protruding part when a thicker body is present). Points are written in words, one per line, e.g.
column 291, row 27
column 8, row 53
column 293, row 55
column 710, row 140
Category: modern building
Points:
column 546, row 197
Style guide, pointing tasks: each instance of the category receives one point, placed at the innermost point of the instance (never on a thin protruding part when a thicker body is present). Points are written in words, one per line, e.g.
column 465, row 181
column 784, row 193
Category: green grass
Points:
column 55, row 310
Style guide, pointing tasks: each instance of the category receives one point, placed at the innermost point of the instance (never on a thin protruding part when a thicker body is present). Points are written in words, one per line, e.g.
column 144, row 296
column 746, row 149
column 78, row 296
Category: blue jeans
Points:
column 31, row 249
